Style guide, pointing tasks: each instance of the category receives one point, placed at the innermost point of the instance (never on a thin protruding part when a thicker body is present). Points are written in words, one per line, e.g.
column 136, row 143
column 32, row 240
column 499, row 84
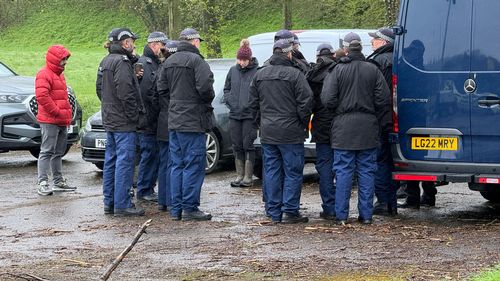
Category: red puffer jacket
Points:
column 51, row 90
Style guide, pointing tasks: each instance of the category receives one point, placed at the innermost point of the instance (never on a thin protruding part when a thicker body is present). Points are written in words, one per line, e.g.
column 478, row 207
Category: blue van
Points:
column 446, row 93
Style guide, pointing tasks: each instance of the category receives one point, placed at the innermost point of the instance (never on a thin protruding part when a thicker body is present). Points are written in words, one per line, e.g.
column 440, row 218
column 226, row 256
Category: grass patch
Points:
column 492, row 274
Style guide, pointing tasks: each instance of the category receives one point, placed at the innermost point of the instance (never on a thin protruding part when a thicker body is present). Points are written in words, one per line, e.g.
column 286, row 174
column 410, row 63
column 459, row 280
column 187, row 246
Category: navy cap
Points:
column 383, row 33
column 190, row 34
column 283, row 45
column 350, row 38
column 284, row 34
column 122, row 33
column 324, row 46
column 157, row 36
column 171, row 46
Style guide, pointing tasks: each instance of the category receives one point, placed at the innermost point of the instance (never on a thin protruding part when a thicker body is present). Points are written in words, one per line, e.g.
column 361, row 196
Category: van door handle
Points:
column 489, row 102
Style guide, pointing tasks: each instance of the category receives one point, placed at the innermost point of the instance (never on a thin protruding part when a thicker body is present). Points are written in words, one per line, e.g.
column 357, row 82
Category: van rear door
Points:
column 433, row 63
column 485, row 98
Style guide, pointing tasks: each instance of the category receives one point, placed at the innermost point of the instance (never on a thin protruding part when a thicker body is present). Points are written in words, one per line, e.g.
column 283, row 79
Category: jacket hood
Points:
column 185, row 46
column 320, row 69
column 280, row 60
column 116, row 48
column 298, row 55
column 353, row 56
column 55, row 54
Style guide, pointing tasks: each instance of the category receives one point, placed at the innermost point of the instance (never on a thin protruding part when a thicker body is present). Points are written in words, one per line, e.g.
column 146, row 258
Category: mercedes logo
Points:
column 469, row 86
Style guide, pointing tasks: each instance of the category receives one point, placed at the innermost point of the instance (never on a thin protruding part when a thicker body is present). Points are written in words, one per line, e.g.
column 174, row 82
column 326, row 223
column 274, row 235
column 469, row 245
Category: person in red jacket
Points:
column 54, row 116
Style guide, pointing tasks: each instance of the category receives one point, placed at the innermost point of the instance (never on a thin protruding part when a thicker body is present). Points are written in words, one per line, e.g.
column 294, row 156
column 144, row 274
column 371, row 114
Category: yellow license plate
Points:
column 434, row 143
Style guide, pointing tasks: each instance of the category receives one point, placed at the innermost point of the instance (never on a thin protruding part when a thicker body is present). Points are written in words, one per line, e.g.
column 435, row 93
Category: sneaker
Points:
column 407, row 205
column 63, row 186
column 365, row 221
column 44, row 189
column 196, row 216
column 293, row 218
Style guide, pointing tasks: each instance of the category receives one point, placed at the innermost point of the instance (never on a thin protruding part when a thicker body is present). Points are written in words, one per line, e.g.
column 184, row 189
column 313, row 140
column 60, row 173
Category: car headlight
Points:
column 12, row 98
column 88, row 127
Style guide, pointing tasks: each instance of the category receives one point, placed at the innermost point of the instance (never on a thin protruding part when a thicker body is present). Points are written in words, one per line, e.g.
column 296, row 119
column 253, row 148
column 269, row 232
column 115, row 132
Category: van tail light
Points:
column 489, row 180
column 395, row 121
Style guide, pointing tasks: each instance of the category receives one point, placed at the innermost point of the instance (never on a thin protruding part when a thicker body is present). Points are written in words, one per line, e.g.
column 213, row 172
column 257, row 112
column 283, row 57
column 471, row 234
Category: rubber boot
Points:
column 240, row 172
column 248, row 178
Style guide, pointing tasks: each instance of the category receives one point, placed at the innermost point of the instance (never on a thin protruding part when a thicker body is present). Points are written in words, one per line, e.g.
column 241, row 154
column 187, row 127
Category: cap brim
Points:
column 201, row 40
column 373, row 34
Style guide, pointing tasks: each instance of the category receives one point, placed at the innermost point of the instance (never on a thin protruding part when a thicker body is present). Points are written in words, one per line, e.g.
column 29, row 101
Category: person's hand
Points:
column 139, row 73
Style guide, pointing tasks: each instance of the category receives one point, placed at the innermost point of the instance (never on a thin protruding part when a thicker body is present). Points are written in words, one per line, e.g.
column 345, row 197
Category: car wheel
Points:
column 99, row 165
column 213, row 152
column 257, row 168
column 35, row 152
column 493, row 196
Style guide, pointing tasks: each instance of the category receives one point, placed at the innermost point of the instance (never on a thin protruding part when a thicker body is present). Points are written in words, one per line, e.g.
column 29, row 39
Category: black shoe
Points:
column 407, row 205
column 235, row 183
column 176, row 217
column 129, row 212
column 292, row 218
column 365, row 221
column 428, row 201
column 384, row 209
column 149, row 198
column 163, row 208
column 401, row 193
column 108, row 209
column 327, row 216
column 196, row 216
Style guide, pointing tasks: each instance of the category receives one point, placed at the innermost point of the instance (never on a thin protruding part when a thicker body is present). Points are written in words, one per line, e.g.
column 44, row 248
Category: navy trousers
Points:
column 385, row 188
column 364, row 163
column 283, row 174
column 188, row 156
column 148, row 166
column 324, row 163
column 164, row 194
column 118, row 173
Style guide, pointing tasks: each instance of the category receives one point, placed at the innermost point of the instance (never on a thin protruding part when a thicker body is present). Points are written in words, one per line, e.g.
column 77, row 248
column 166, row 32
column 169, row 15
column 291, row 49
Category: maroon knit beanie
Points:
column 244, row 52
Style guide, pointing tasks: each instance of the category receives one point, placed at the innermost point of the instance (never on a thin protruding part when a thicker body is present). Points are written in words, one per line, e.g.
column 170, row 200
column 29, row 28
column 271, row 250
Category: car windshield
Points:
column 4, row 71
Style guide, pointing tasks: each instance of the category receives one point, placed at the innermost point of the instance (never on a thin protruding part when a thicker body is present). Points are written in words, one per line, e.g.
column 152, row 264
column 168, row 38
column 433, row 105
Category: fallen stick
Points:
column 122, row 255
column 35, row 277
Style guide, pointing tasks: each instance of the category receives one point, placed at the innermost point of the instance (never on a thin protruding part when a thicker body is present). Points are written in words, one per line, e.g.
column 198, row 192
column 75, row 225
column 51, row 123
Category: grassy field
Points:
column 489, row 275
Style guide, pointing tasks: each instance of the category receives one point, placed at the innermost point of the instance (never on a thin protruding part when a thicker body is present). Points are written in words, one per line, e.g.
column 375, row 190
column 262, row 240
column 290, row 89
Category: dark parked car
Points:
column 19, row 129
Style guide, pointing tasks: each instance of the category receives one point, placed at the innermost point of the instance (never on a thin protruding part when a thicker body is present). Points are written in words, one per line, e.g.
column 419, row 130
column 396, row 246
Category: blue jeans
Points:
column 283, row 174
column 385, row 187
column 324, row 162
column 188, row 155
column 148, row 166
column 164, row 174
column 118, row 173
column 346, row 162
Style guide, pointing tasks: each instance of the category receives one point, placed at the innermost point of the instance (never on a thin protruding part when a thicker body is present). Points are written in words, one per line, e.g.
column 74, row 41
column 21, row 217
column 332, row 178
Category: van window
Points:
column 438, row 35
column 485, row 39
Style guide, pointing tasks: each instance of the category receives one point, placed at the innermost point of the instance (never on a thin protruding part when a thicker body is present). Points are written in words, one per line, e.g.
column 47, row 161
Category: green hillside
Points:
column 82, row 27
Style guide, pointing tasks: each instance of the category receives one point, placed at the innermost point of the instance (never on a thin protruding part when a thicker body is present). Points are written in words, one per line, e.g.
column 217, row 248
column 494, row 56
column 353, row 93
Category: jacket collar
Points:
column 185, row 46
column 354, row 56
column 150, row 54
column 387, row 48
column 280, row 60
column 253, row 64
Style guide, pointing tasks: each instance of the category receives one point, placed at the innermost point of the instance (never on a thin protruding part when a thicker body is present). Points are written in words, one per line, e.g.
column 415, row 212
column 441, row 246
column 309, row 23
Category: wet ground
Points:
column 67, row 237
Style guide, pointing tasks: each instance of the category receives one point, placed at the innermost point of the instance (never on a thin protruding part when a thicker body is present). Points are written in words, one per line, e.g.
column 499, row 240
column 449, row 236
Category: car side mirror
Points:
column 398, row 30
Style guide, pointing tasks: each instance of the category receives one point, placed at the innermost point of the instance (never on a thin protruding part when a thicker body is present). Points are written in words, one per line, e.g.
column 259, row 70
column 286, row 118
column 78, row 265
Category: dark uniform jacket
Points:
column 280, row 93
column 237, row 88
column 299, row 59
column 358, row 94
column 118, row 88
column 322, row 117
column 187, row 82
column 382, row 57
column 150, row 63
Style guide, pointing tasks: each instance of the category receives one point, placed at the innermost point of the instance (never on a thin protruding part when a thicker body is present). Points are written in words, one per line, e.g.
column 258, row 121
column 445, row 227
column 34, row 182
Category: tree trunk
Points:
column 287, row 14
